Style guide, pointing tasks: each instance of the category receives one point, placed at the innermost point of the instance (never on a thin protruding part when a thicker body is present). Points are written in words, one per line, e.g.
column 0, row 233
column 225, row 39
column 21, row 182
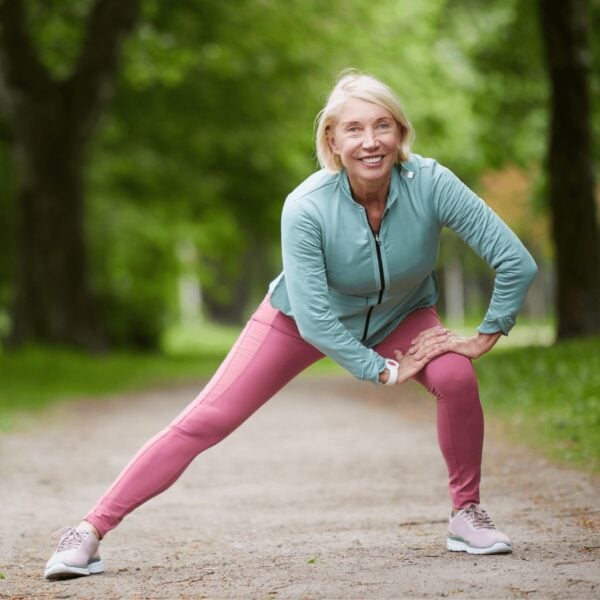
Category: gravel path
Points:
column 335, row 489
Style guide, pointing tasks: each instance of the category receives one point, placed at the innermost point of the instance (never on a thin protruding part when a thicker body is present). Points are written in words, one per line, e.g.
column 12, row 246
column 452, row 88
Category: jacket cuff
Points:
column 378, row 365
column 495, row 324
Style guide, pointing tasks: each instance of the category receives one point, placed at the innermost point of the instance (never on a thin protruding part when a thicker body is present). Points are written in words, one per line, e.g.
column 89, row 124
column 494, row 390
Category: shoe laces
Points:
column 69, row 538
column 477, row 517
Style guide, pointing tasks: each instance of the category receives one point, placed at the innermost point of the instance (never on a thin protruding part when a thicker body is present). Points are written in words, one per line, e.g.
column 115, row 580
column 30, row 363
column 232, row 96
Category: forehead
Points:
column 356, row 109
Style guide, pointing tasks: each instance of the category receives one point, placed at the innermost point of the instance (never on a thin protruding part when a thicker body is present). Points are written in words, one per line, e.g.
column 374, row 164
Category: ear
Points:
column 331, row 140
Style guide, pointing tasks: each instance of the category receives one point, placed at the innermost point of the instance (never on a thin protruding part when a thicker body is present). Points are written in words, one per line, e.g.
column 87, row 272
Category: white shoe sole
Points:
column 455, row 545
column 60, row 570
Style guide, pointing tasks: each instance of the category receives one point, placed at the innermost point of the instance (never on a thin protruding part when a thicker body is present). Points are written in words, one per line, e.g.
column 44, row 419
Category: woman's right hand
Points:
column 409, row 367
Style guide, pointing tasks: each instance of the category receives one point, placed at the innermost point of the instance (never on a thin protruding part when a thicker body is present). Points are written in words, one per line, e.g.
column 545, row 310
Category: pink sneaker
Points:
column 76, row 555
column 471, row 530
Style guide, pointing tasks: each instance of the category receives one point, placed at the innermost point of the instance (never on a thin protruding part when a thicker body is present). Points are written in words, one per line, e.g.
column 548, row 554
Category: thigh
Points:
column 268, row 354
column 449, row 371
column 407, row 330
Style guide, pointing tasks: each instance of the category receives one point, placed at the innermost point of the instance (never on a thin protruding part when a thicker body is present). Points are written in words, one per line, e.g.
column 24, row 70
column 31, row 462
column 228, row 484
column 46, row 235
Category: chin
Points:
column 379, row 171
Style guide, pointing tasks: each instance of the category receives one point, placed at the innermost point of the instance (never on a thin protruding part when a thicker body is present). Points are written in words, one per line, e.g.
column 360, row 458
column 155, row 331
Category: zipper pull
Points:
column 378, row 239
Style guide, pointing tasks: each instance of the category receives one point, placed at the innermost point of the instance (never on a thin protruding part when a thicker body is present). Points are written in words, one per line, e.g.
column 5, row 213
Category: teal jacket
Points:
column 348, row 288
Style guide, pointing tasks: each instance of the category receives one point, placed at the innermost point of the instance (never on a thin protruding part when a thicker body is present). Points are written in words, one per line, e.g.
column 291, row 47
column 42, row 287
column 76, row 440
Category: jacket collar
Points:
column 393, row 193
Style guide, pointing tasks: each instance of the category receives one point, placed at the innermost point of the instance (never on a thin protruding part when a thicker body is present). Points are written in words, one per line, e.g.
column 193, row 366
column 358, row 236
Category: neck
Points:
column 371, row 194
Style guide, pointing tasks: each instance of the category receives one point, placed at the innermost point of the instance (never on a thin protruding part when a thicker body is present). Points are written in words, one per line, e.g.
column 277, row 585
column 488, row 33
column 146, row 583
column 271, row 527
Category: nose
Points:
column 370, row 139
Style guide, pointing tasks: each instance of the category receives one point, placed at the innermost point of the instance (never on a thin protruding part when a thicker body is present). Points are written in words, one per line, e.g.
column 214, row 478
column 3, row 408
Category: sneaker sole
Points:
column 62, row 571
column 455, row 545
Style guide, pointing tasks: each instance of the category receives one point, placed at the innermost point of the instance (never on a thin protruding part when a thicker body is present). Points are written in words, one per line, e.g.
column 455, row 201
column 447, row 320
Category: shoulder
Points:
column 430, row 177
column 315, row 186
column 309, row 198
column 422, row 167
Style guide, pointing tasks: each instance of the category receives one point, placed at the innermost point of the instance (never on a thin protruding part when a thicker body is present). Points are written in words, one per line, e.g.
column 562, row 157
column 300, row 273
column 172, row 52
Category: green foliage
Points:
column 504, row 46
column 134, row 273
column 549, row 397
column 58, row 30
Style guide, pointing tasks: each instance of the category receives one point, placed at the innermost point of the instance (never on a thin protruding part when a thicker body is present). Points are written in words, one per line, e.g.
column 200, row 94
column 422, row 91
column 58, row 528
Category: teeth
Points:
column 372, row 159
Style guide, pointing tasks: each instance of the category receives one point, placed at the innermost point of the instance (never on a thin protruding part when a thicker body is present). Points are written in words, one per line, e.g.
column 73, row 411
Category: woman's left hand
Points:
column 436, row 341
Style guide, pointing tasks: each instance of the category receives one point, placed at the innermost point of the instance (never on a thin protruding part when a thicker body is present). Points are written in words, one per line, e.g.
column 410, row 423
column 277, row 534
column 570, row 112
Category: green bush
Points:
column 134, row 274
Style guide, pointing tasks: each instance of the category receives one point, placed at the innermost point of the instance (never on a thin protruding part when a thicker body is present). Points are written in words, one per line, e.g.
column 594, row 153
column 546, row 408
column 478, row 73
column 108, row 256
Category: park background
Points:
column 146, row 149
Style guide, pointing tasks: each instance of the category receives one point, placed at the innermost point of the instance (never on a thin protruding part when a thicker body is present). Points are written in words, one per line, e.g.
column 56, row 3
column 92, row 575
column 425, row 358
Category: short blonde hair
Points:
column 353, row 84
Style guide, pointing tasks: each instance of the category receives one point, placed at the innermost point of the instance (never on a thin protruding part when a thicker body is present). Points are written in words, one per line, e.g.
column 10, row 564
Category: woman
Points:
column 359, row 240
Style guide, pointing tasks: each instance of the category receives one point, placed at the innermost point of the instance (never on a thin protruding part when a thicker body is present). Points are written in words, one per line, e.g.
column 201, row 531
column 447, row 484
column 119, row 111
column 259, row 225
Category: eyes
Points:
column 356, row 128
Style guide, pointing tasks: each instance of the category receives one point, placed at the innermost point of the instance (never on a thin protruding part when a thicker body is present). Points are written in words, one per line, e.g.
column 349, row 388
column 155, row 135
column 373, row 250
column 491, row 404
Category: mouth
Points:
column 371, row 160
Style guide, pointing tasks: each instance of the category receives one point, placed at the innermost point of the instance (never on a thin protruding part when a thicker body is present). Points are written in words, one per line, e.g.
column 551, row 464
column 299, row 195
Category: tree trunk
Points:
column 227, row 302
column 564, row 27
column 51, row 124
column 241, row 286
column 52, row 300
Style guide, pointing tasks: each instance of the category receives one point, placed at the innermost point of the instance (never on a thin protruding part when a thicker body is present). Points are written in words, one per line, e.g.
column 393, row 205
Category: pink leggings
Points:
column 267, row 355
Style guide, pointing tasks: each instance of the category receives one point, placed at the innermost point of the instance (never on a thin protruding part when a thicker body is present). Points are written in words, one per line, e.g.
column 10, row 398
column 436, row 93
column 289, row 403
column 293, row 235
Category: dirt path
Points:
column 330, row 491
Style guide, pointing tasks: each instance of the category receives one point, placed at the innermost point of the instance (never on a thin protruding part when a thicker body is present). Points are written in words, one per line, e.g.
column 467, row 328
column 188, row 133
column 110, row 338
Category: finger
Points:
column 432, row 351
column 425, row 340
column 452, row 343
column 426, row 344
column 429, row 333
column 422, row 334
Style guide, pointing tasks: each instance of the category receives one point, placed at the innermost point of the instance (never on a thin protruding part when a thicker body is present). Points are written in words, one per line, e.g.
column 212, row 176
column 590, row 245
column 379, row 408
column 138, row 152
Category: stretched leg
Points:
column 451, row 378
column 268, row 354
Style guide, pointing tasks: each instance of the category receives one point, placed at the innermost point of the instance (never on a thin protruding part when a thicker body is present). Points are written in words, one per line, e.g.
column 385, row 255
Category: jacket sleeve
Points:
column 306, row 281
column 464, row 212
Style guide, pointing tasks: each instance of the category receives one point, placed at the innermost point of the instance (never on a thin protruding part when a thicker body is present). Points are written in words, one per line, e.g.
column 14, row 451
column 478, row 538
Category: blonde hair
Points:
column 353, row 84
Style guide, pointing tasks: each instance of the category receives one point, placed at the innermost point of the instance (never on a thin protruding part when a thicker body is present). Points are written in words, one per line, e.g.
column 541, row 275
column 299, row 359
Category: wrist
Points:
column 391, row 370
column 485, row 341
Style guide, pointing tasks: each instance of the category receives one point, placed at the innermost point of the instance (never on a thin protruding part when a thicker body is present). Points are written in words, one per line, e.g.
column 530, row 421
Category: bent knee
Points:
column 450, row 374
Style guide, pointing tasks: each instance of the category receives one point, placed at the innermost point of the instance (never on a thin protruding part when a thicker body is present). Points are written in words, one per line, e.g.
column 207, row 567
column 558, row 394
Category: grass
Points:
column 35, row 377
column 548, row 397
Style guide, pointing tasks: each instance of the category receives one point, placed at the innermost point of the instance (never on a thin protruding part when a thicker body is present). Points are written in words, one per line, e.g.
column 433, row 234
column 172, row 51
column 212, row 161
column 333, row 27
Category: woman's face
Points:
column 366, row 138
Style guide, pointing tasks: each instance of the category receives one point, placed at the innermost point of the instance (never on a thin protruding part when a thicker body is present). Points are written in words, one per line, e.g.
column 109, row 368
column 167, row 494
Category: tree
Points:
column 51, row 122
column 564, row 27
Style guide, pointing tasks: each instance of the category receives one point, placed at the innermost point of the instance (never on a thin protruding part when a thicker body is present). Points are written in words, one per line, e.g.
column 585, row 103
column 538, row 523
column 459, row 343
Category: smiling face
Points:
column 366, row 138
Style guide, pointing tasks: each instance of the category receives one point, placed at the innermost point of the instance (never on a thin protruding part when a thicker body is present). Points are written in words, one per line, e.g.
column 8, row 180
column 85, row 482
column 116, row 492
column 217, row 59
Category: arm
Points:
column 306, row 281
column 475, row 223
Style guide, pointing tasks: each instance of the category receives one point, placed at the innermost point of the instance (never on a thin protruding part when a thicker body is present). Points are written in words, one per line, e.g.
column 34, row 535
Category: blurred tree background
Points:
column 146, row 149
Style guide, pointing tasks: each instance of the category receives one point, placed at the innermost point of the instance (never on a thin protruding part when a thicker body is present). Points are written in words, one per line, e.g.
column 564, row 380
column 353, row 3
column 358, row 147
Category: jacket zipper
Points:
column 381, row 278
